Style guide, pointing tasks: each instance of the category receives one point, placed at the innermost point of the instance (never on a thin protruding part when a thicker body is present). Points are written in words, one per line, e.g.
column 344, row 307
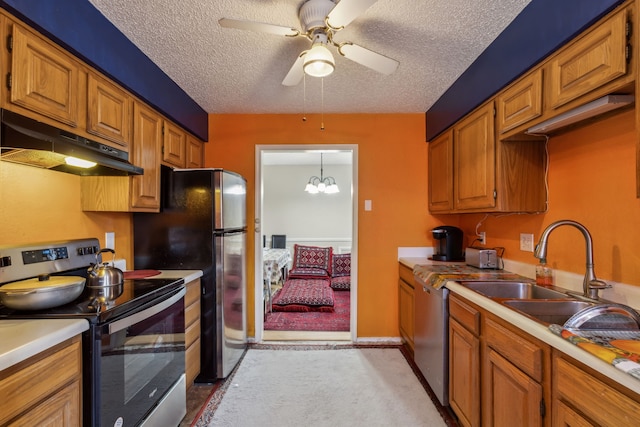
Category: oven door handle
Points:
column 121, row 324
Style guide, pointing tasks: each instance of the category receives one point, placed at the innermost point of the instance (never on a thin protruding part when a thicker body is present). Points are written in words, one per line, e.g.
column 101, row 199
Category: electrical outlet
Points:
column 482, row 237
column 110, row 239
column 526, row 242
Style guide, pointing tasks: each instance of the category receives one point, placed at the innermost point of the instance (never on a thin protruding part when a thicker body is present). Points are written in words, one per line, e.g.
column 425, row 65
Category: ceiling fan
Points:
column 320, row 20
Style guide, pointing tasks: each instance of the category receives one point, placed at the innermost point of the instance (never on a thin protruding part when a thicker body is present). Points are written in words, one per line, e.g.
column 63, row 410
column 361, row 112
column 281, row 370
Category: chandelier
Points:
column 323, row 184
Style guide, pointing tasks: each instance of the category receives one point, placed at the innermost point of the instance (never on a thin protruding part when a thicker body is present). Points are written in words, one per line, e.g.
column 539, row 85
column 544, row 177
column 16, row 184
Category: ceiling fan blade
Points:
column 296, row 72
column 259, row 27
column 346, row 11
column 368, row 58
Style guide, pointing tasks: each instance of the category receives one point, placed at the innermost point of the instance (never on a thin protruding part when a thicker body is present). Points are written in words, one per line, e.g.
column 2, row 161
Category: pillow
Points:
column 312, row 257
column 341, row 283
column 308, row 273
column 341, row 265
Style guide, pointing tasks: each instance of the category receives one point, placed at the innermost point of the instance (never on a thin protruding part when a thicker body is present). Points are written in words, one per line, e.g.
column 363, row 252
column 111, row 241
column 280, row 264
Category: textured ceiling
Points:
column 235, row 71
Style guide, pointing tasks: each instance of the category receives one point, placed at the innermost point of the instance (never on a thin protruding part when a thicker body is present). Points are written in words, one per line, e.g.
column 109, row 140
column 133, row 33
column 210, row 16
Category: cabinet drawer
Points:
column 596, row 400
column 406, row 274
column 191, row 314
column 193, row 292
column 526, row 355
column 191, row 333
column 25, row 387
column 466, row 315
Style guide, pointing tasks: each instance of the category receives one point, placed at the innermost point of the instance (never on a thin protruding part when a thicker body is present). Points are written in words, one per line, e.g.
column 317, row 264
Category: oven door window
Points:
column 142, row 356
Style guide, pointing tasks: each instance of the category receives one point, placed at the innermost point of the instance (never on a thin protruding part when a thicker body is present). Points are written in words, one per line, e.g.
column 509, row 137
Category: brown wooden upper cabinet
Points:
column 43, row 78
column 483, row 173
column 441, row 173
column 520, row 103
column 474, row 174
column 174, row 145
column 590, row 62
column 108, row 111
column 195, row 152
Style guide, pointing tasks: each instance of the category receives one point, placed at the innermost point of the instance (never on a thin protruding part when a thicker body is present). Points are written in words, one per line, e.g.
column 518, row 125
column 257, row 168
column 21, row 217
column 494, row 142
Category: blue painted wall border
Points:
column 540, row 29
column 83, row 30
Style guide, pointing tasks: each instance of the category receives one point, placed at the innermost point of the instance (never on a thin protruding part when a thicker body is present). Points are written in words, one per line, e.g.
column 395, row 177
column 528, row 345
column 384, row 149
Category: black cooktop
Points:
column 136, row 293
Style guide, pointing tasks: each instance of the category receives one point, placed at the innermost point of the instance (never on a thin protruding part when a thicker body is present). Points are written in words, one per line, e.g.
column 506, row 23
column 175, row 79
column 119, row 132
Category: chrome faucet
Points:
column 591, row 284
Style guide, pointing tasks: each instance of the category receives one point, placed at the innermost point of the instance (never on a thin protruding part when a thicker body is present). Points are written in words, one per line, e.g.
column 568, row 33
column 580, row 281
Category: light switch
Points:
column 367, row 205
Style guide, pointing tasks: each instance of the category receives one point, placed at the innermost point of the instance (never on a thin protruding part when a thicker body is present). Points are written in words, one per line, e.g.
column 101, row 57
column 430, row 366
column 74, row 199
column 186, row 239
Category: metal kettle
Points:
column 104, row 275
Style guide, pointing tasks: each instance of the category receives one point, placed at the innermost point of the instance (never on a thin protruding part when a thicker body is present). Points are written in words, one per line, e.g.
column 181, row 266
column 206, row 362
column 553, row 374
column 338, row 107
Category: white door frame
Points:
column 259, row 303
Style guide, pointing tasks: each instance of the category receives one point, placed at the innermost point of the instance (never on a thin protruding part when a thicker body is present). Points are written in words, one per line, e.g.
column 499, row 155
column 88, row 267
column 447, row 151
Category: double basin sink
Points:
column 545, row 305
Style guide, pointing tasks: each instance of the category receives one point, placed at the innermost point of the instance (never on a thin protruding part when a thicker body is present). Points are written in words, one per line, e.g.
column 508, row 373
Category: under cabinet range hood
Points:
column 29, row 142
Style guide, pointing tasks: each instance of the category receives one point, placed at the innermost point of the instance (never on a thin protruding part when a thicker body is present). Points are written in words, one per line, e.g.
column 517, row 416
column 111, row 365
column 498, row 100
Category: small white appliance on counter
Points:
column 481, row 258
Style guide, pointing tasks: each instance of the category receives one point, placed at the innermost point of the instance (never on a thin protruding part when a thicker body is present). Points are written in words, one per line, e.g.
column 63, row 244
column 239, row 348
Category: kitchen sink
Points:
column 549, row 311
column 514, row 290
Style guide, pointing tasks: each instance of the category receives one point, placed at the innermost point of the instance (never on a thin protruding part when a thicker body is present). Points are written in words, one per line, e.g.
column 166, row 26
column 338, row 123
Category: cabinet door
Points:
column 596, row 59
column 147, row 146
column 520, row 103
column 61, row 409
column 441, row 173
column 108, row 111
column 464, row 374
column 43, row 78
column 174, row 145
column 564, row 416
column 474, row 160
column 511, row 398
column 195, row 153
column 405, row 311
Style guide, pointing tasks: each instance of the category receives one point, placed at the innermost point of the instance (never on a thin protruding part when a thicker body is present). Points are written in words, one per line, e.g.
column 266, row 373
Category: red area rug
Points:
column 338, row 321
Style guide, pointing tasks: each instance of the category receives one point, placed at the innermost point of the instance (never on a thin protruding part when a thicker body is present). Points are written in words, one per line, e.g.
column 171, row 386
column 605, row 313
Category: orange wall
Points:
column 38, row 205
column 391, row 172
column 592, row 178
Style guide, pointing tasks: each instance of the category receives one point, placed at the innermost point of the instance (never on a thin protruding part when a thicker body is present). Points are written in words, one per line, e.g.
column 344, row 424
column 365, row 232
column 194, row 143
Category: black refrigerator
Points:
column 202, row 226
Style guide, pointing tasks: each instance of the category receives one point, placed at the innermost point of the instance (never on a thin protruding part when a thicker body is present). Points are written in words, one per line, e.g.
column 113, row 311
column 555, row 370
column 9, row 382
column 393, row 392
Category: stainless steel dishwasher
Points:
column 431, row 337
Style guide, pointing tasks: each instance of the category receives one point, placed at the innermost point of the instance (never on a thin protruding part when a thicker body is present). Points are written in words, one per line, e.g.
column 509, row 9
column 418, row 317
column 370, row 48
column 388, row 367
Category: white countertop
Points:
column 23, row 338
column 187, row 275
column 544, row 334
column 532, row 327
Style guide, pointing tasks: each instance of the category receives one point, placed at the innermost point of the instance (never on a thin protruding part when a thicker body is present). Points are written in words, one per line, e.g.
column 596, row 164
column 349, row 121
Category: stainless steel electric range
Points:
column 133, row 351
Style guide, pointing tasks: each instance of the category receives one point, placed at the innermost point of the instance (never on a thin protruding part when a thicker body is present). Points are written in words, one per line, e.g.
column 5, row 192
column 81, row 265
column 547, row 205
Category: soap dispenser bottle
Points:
column 544, row 274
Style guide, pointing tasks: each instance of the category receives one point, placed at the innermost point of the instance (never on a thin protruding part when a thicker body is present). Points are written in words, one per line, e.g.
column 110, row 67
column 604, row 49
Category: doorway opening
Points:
column 283, row 208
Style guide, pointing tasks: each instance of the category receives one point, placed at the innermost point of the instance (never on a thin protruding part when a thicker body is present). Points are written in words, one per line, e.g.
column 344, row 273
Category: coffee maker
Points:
column 448, row 243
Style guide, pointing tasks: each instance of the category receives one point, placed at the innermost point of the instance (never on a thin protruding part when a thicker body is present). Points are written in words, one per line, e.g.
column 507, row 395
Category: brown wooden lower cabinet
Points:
column 192, row 330
column 522, row 380
column 583, row 397
column 406, row 305
column 464, row 374
column 499, row 375
column 44, row 389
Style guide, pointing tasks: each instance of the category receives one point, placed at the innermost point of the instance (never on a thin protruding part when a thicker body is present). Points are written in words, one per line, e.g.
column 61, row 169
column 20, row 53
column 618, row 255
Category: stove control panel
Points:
column 30, row 260
column 43, row 255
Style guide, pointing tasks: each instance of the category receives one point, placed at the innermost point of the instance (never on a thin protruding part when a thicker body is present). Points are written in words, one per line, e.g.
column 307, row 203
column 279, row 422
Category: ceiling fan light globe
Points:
column 318, row 61
column 310, row 188
column 322, row 187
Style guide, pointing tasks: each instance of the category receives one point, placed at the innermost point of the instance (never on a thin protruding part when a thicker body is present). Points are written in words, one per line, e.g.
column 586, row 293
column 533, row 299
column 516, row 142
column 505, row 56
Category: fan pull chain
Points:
column 322, row 103
column 304, row 97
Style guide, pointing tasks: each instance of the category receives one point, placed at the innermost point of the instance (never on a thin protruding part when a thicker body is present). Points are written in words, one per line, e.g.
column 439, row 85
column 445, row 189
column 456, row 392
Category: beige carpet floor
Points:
column 324, row 387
